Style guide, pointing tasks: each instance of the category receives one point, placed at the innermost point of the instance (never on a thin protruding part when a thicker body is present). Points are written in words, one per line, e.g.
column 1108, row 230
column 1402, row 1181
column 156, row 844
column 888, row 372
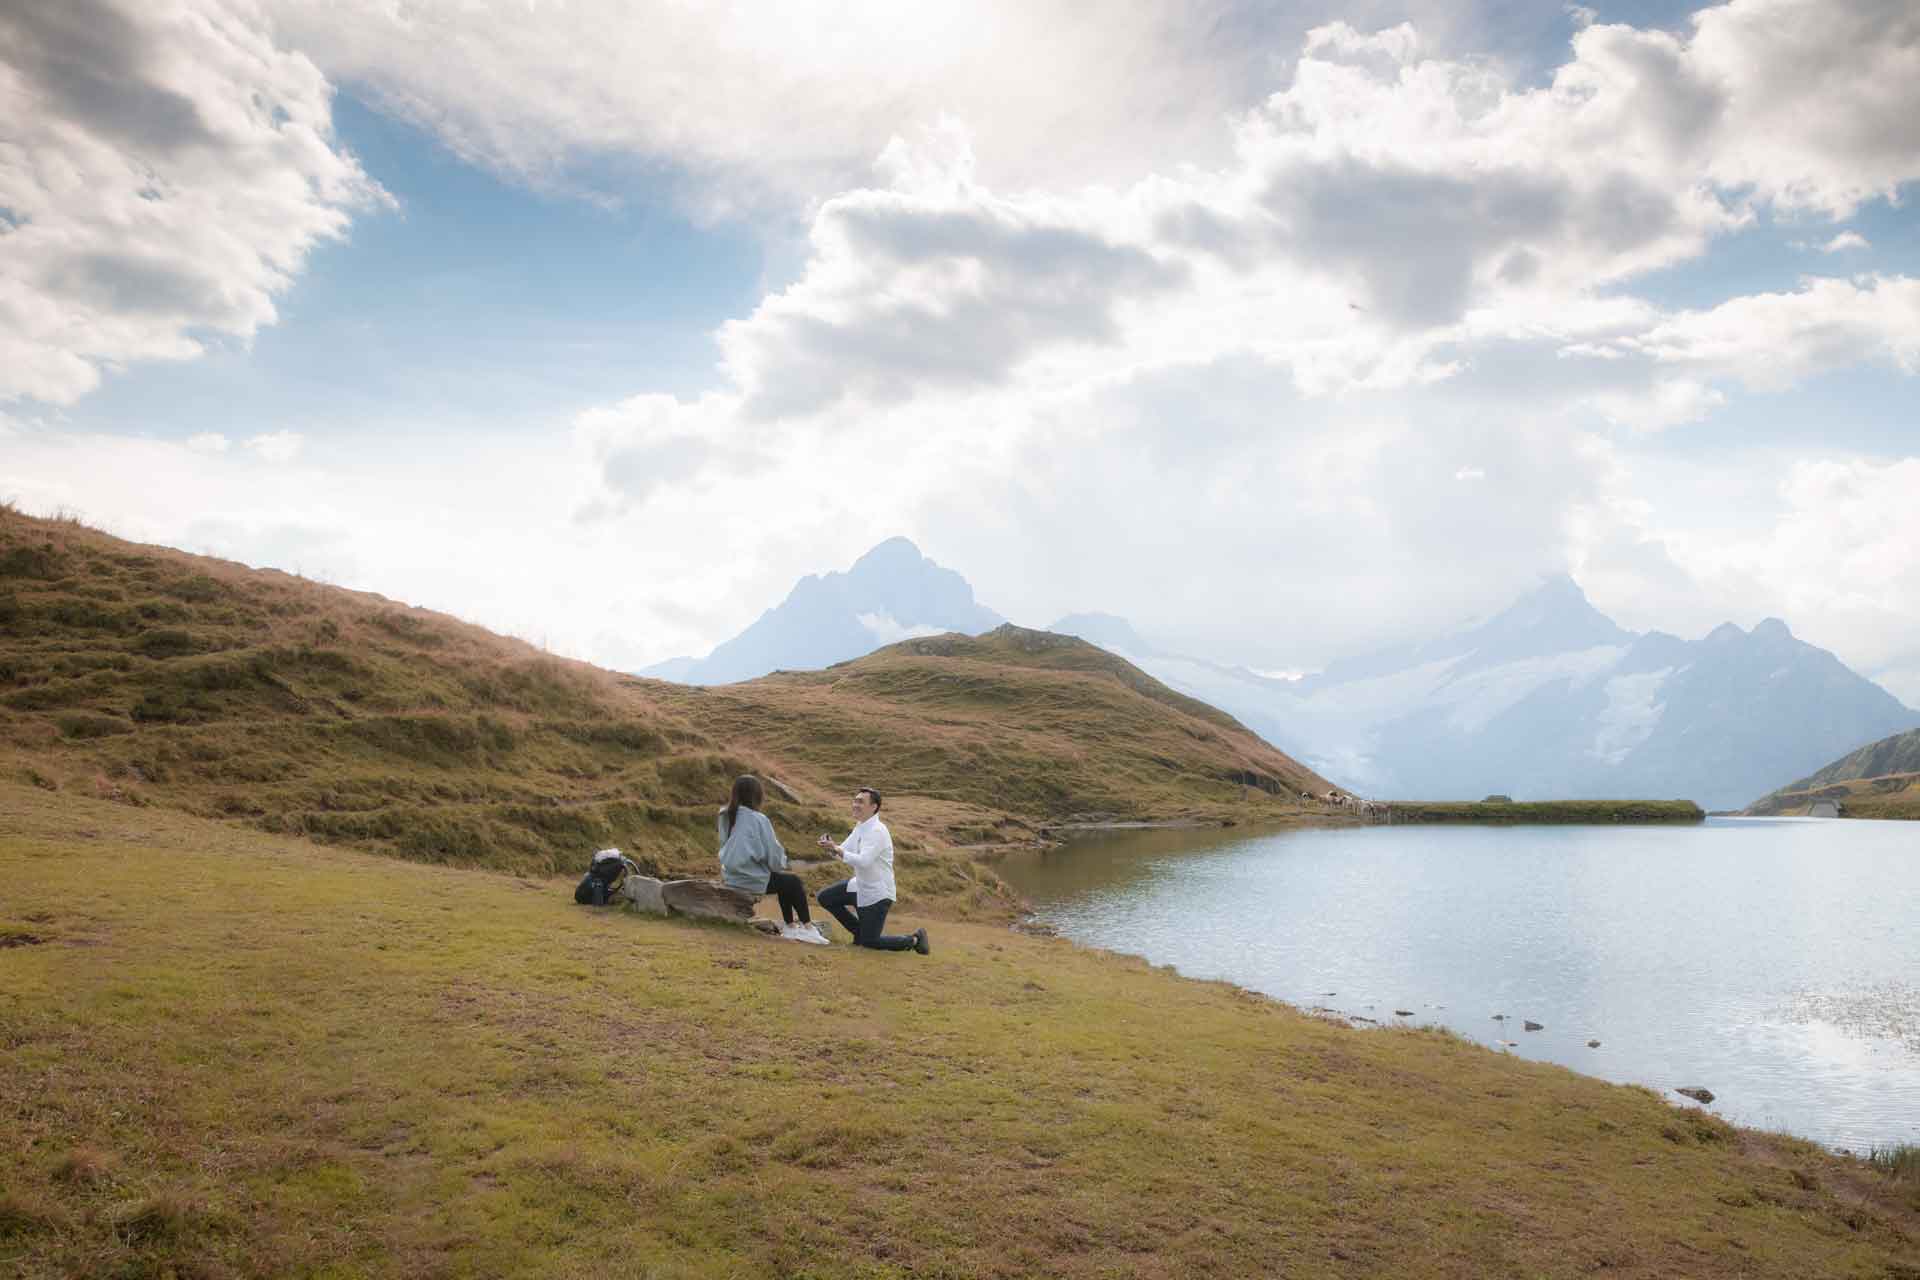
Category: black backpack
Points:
column 603, row 876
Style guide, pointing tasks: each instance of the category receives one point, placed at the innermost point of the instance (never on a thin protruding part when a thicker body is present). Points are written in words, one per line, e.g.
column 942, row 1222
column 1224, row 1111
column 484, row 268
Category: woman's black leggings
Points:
column 792, row 894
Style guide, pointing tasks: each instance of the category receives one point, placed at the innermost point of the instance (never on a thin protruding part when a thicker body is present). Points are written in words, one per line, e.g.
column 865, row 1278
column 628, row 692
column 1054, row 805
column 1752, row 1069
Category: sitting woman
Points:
column 751, row 858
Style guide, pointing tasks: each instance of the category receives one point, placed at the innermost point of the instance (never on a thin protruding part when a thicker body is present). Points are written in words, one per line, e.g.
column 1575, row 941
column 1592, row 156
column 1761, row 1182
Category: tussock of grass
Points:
column 22, row 1216
column 152, row 677
column 310, row 1062
column 1900, row 1161
column 87, row 1166
column 158, row 1220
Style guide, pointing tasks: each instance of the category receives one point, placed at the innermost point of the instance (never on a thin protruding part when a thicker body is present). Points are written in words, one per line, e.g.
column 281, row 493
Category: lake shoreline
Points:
column 1537, row 941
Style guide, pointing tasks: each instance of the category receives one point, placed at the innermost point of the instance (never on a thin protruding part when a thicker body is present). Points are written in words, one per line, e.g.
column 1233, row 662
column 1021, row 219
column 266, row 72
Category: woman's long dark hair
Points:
column 747, row 793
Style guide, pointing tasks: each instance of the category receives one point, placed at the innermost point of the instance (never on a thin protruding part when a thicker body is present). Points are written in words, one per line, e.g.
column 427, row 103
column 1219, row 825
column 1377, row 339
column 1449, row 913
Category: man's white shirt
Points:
column 869, row 851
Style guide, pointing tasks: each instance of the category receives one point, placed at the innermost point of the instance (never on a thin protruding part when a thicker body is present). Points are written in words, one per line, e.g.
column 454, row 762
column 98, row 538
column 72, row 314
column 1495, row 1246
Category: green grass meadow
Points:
column 229, row 1053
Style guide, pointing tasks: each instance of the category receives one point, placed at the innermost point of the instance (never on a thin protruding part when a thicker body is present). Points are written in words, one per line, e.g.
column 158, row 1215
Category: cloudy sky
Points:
column 1284, row 329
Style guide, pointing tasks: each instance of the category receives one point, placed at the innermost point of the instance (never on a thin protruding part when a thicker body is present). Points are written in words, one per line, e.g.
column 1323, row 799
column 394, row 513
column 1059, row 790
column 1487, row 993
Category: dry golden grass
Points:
column 1894, row 795
column 289, row 1060
column 1880, row 780
column 147, row 676
column 1038, row 727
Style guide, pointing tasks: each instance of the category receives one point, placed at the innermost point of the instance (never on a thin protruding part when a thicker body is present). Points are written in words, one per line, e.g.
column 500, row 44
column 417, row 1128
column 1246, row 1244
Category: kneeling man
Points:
column 869, row 851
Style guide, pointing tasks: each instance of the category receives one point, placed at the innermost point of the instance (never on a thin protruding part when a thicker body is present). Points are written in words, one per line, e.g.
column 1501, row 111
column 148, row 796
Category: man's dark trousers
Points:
column 865, row 928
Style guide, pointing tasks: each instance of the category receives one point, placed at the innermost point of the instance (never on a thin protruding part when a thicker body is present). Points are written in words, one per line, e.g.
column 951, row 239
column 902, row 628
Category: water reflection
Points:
column 1771, row 962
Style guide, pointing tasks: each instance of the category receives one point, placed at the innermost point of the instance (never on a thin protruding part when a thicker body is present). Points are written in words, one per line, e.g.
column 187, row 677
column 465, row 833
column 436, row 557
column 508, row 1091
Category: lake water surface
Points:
column 1774, row 961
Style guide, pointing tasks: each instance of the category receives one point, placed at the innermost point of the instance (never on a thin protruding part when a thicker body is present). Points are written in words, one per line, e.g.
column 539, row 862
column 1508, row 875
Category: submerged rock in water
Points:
column 1696, row 1092
column 1533, row 1026
column 1593, row 1044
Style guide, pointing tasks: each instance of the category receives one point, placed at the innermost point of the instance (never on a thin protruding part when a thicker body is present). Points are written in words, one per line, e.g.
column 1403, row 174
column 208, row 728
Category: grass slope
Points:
column 152, row 677
column 237, row 1054
column 1025, row 722
column 1880, row 780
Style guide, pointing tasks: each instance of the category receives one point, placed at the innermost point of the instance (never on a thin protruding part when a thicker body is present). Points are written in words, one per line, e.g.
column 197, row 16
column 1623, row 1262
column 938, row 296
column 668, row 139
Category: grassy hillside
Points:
column 1026, row 722
column 236, row 1054
column 151, row 677
column 1880, row 780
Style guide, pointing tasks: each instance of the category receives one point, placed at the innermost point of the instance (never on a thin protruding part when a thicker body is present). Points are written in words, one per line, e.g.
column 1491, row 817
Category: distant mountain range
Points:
column 892, row 593
column 1550, row 699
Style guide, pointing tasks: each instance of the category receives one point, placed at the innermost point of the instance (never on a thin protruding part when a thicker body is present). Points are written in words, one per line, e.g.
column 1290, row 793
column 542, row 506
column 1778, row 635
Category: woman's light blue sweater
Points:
column 750, row 852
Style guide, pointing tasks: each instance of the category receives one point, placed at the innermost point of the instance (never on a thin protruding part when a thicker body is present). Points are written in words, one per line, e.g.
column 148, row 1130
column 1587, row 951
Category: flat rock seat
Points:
column 695, row 899
column 643, row 894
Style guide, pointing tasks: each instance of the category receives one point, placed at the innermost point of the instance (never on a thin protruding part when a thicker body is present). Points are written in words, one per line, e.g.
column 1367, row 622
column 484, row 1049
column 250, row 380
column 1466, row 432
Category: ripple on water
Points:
column 1886, row 1012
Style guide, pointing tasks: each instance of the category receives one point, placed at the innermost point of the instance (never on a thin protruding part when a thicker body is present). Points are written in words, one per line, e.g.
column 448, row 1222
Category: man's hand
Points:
column 826, row 842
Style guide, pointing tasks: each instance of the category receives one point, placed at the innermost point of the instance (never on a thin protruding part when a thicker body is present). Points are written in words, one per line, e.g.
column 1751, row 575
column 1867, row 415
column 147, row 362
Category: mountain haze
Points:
column 1112, row 633
column 891, row 593
column 1547, row 699
column 1551, row 699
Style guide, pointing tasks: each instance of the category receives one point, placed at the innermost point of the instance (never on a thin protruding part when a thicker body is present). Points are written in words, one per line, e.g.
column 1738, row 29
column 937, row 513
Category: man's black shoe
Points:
column 920, row 942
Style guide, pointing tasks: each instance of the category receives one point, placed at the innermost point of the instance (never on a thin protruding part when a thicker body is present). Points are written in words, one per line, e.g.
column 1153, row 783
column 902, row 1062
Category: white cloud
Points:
column 1838, row 558
column 1377, row 212
column 934, row 283
column 1811, row 103
column 482, row 532
column 1824, row 542
column 165, row 173
column 209, row 442
column 1433, row 186
column 655, row 444
column 1221, row 390
column 792, row 100
column 1845, row 241
column 1769, row 341
column 1396, row 46
column 275, row 446
column 1806, row 103
column 1666, row 370
column 1257, row 373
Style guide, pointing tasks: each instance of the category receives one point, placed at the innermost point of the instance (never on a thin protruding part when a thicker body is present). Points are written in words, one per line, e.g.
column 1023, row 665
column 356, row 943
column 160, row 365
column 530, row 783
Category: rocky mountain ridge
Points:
column 891, row 593
column 1551, row 699
column 1547, row 699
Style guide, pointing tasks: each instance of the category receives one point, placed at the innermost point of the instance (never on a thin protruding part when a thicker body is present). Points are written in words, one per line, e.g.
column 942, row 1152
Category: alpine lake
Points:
column 1775, row 962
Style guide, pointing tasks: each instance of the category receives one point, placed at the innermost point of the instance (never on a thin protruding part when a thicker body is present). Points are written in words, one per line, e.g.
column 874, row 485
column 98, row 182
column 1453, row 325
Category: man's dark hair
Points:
column 870, row 794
